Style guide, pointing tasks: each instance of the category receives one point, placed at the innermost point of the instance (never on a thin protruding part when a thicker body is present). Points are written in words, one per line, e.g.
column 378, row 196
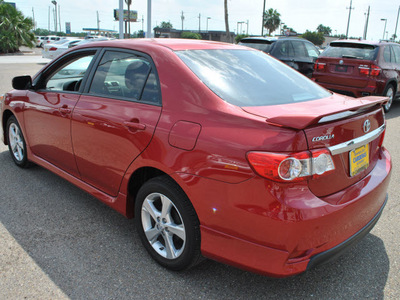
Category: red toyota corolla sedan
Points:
column 217, row 150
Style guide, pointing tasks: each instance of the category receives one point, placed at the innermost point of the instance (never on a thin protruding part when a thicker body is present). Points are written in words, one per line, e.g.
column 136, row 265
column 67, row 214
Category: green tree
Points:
column 272, row 20
column 191, row 35
column 317, row 38
column 166, row 25
column 239, row 37
column 324, row 29
column 15, row 29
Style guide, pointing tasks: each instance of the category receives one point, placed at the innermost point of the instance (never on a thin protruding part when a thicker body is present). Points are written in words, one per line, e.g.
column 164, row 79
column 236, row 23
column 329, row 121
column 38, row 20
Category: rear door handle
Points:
column 135, row 126
column 65, row 110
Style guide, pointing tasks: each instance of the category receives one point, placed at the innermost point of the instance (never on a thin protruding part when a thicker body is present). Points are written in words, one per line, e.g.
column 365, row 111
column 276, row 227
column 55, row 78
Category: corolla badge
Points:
column 367, row 126
column 323, row 138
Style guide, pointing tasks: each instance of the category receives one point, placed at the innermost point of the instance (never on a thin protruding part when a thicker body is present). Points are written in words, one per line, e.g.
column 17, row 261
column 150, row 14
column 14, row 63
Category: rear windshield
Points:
column 250, row 78
column 258, row 44
column 348, row 50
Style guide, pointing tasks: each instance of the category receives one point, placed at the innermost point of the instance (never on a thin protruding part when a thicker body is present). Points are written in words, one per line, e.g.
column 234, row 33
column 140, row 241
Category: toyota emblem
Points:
column 367, row 126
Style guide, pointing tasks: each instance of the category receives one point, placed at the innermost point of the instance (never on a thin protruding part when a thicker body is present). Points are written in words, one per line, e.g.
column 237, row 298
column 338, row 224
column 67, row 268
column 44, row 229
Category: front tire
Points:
column 16, row 143
column 167, row 224
column 389, row 92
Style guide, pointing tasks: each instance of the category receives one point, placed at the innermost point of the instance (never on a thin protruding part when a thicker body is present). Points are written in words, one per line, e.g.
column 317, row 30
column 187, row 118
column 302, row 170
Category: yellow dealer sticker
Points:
column 359, row 159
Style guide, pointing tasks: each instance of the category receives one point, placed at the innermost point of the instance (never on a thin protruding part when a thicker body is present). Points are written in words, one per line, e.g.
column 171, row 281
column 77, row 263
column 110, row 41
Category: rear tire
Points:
column 389, row 92
column 167, row 224
column 16, row 143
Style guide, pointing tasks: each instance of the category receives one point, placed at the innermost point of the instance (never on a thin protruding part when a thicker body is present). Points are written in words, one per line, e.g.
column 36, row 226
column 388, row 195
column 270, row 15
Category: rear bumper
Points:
column 335, row 252
column 353, row 91
column 282, row 239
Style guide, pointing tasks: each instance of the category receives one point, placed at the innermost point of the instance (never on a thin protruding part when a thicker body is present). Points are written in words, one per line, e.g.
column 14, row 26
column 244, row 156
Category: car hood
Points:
column 304, row 114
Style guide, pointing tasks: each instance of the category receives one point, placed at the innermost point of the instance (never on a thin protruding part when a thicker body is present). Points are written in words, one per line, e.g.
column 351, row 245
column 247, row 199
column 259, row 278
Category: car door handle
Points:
column 65, row 110
column 135, row 126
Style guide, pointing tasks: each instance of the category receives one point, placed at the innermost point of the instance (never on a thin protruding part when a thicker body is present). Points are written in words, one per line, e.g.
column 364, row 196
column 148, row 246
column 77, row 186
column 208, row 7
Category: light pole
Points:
column 55, row 15
column 208, row 18
column 384, row 30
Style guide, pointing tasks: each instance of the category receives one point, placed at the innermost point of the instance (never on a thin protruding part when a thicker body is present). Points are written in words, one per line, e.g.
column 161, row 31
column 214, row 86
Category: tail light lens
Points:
column 53, row 49
column 319, row 66
column 291, row 167
column 372, row 70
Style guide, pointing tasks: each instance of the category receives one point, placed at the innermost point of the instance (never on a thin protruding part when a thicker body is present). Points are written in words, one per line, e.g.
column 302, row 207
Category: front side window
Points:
column 69, row 76
column 396, row 52
column 250, row 78
column 125, row 75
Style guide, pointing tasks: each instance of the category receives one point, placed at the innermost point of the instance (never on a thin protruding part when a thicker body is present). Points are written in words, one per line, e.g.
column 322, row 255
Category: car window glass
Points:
column 387, row 54
column 299, row 49
column 311, row 50
column 396, row 52
column 125, row 75
column 258, row 44
column 286, row 49
column 350, row 50
column 250, row 78
column 69, row 76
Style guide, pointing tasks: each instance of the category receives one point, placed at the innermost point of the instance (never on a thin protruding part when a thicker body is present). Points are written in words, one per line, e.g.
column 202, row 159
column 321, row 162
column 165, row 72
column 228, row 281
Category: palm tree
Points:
column 228, row 33
column 15, row 29
column 272, row 20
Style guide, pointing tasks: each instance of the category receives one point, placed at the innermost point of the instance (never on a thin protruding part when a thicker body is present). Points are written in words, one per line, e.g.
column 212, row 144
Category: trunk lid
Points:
column 334, row 124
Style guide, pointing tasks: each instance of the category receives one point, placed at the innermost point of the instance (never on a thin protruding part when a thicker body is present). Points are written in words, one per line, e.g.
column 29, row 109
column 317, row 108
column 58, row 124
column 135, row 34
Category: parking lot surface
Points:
column 57, row 242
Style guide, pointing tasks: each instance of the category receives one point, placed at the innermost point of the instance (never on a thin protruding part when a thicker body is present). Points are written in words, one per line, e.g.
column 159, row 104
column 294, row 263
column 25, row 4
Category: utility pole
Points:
column 199, row 22
column 49, row 20
column 182, row 19
column 55, row 15
column 366, row 25
column 348, row 21
column 149, row 19
column 397, row 21
column 263, row 18
column 98, row 21
column 33, row 14
column 59, row 17
column 247, row 28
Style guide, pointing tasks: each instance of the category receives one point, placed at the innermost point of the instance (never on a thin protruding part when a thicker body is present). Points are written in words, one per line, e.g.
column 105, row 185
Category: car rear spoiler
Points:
column 304, row 114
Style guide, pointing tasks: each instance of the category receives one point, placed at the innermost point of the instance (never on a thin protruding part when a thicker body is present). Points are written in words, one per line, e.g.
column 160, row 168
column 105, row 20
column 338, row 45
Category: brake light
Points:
column 318, row 66
column 291, row 167
column 375, row 70
column 367, row 70
column 53, row 49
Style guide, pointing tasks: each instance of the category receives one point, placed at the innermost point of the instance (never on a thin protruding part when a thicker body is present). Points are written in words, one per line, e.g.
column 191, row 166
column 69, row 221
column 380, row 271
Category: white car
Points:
column 53, row 50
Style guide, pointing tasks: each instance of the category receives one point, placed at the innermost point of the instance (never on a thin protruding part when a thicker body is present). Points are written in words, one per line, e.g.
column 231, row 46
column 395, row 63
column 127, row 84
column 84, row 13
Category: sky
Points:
column 300, row 15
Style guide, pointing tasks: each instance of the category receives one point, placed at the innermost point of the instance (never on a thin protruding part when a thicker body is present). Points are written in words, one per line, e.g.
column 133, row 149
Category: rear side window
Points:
column 250, row 78
column 387, row 56
column 299, row 49
column 125, row 75
column 349, row 50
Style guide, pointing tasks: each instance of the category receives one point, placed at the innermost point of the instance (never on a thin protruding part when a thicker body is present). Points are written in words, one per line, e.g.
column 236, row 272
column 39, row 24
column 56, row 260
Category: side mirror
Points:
column 22, row 82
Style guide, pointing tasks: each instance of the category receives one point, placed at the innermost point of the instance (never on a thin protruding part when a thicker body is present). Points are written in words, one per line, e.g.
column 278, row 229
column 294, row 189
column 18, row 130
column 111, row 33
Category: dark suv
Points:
column 298, row 53
column 360, row 68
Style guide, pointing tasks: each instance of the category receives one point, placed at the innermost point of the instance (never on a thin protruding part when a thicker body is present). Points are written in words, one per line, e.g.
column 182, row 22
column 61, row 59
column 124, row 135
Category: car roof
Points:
column 173, row 44
column 273, row 39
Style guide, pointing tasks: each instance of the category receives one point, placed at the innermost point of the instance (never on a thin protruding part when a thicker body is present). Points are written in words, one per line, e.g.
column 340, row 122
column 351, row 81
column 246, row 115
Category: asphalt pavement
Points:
column 58, row 242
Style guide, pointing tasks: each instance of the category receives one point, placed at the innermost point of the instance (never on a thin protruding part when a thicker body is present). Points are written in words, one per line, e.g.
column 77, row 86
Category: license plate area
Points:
column 359, row 160
column 340, row 68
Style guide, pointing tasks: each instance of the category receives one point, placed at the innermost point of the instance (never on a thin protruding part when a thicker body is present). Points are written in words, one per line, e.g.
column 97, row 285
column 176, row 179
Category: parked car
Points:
column 39, row 41
column 298, row 53
column 360, row 68
column 215, row 149
column 51, row 39
column 53, row 50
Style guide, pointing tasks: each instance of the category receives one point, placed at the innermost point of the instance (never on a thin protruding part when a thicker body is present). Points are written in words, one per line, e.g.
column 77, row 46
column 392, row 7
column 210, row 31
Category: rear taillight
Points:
column 291, row 167
column 319, row 66
column 53, row 49
column 367, row 70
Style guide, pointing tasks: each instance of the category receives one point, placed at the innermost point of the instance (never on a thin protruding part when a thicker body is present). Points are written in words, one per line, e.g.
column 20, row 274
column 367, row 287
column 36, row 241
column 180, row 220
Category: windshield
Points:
column 349, row 50
column 250, row 78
